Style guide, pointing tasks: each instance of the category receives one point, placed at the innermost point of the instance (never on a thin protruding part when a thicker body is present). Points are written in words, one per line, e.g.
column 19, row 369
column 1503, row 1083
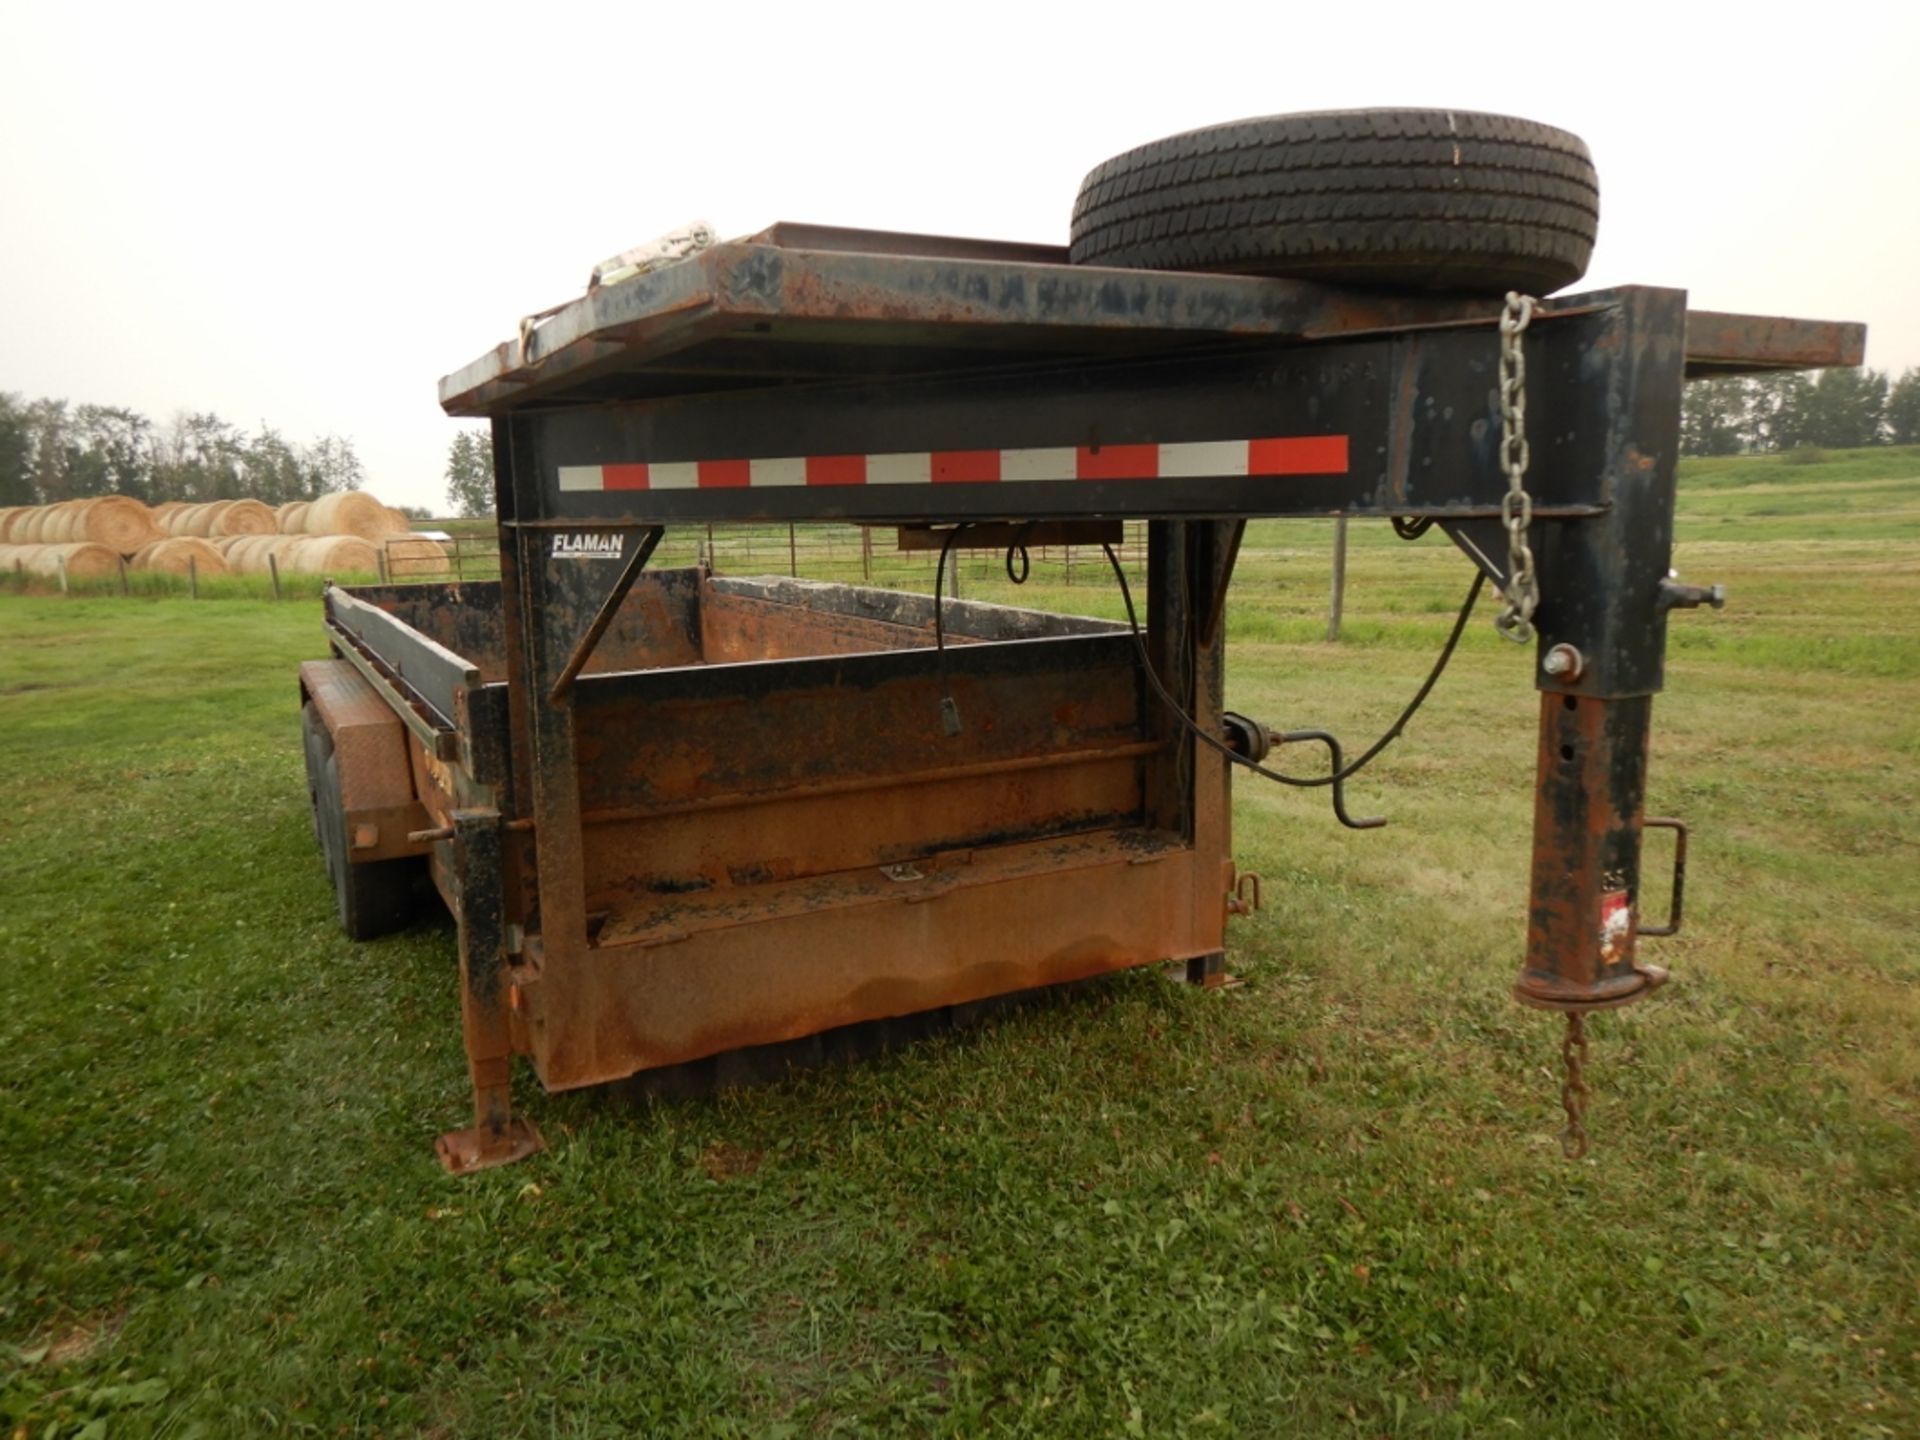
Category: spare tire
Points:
column 1393, row 199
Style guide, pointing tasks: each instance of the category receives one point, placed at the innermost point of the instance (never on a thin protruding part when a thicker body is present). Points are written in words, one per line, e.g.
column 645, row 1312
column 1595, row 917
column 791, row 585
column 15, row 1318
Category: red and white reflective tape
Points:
column 1190, row 460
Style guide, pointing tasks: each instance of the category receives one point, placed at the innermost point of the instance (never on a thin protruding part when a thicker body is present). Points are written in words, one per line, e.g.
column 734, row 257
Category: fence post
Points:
column 793, row 553
column 123, row 573
column 1336, row 601
column 61, row 561
column 380, row 562
column 866, row 553
column 273, row 573
column 193, row 577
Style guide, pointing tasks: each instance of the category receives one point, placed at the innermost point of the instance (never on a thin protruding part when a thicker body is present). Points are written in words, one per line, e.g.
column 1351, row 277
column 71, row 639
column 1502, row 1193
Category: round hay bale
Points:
column 189, row 520
column 63, row 526
column 236, row 549
column 331, row 555
column 52, row 529
column 244, row 517
column 247, row 554
column 7, row 512
column 351, row 512
column 293, row 517
column 199, row 521
column 166, row 508
column 84, row 561
column 414, row 557
column 178, row 553
column 119, row 522
column 25, row 526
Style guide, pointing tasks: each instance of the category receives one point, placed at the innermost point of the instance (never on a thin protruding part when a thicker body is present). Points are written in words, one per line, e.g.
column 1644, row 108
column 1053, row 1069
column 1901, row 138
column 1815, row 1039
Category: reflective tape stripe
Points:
column 1184, row 460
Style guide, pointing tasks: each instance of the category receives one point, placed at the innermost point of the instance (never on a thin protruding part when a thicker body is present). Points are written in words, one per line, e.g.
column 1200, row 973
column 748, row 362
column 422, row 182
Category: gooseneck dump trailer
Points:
column 677, row 814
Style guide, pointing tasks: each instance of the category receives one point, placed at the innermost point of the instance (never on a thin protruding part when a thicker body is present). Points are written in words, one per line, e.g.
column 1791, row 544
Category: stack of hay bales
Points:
column 333, row 555
column 80, row 560
column 353, row 514
column 179, row 555
column 220, row 517
column 346, row 532
column 118, row 522
column 82, row 539
column 302, row 555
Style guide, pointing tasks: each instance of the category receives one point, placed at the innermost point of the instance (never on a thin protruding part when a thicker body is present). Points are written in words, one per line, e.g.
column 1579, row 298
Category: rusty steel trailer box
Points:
column 678, row 813
column 776, row 835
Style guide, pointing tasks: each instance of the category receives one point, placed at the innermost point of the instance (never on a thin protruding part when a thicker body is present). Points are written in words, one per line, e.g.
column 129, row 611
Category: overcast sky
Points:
column 305, row 216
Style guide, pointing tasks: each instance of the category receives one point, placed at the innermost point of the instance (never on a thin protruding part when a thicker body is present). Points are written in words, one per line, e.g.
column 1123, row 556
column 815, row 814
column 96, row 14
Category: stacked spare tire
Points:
column 1406, row 200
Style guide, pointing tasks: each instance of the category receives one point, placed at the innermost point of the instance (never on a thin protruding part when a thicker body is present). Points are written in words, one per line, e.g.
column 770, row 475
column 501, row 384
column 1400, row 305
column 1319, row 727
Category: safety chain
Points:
column 1573, row 1094
column 1522, row 591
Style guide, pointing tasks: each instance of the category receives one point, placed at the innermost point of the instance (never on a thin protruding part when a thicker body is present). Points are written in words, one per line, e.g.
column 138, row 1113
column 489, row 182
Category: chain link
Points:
column 1573, row 1094
column 1522, row 590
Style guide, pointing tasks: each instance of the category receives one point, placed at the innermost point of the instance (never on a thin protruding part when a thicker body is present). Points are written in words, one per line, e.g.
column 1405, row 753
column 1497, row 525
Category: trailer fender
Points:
column 377, row 794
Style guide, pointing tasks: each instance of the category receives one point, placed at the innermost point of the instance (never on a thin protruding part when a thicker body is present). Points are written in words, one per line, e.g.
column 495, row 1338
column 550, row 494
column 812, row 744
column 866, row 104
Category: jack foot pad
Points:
column 463, row 1151
column 1208, row 971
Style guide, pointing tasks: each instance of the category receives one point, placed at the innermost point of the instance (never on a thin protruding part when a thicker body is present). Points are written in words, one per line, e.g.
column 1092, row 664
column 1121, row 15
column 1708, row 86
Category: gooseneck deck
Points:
column 682, row 814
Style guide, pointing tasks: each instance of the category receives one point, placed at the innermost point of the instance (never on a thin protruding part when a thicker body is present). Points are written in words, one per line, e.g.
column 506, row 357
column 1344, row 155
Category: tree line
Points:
column 1833, row 410
column 54, row 450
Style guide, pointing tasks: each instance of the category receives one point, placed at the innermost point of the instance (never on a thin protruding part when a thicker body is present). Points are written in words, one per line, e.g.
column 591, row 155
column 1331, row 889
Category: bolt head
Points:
column 1563, row 662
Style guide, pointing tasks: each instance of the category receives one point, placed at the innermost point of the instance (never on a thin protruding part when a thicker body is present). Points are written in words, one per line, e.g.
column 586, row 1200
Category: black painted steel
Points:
column 1419, row 412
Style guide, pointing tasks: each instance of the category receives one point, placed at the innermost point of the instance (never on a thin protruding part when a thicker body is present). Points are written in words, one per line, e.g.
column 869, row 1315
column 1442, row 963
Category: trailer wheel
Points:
column 1394, row 199
column 374, row 897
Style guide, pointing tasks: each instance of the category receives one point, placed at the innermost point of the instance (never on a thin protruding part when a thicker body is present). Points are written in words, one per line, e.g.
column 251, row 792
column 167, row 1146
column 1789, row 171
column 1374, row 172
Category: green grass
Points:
column 1328, row 1201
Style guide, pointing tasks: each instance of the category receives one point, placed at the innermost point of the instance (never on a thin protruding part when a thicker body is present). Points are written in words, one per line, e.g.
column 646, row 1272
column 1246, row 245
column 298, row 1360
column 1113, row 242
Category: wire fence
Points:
column 850, row 554
column 1282, row 579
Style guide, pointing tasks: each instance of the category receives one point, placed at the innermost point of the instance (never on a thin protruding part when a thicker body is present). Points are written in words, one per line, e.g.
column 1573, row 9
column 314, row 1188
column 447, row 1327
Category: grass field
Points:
column 1327, row 1201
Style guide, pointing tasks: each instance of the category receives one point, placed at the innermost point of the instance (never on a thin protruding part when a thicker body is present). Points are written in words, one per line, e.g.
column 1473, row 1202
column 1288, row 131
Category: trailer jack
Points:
column 1584, row 918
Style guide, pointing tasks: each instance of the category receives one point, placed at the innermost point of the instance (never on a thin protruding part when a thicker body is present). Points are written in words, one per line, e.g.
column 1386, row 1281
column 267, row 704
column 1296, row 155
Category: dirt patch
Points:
column 723, row 1161
column 82, row 1340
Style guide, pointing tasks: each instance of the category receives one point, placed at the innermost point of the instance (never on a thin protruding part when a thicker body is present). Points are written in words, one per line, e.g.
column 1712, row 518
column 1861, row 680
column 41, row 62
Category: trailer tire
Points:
column 374, row 897
column 1447, row 200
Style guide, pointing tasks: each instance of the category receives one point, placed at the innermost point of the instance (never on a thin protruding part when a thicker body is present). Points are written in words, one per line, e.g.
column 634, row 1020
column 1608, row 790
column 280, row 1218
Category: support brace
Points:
column 497, row 1136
